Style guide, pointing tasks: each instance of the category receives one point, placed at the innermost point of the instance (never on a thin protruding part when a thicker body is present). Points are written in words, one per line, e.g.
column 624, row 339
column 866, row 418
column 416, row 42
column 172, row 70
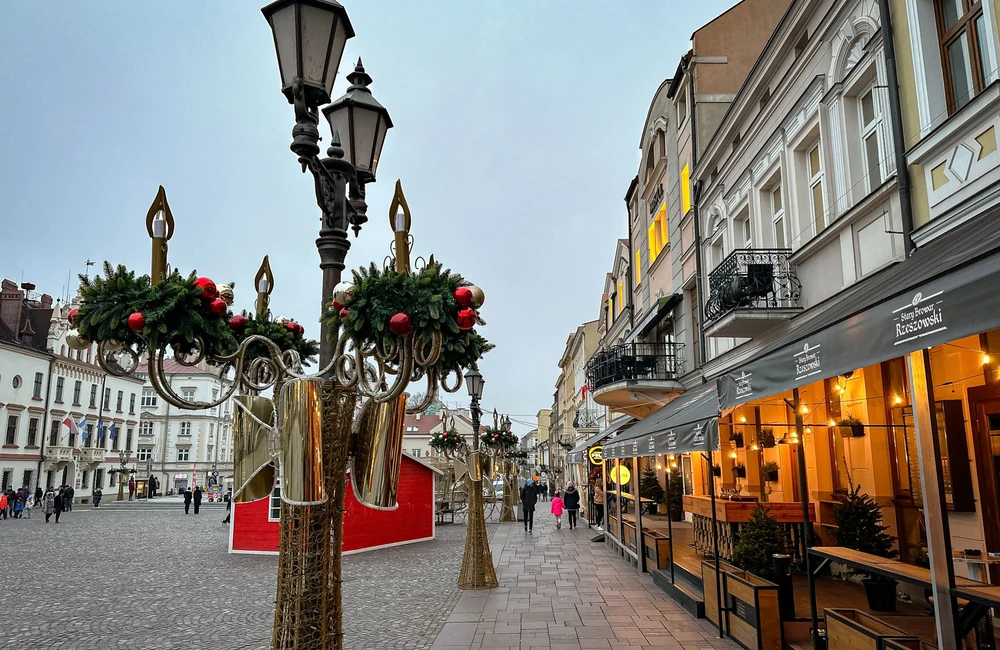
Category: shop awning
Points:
column 576, row 456
column 659, row 310
column 946, row 290
column 688, row 423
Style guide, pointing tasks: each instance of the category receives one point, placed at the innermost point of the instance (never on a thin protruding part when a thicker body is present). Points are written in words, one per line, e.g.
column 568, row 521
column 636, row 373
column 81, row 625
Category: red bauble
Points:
column 292, row 327
column 136, row 321
column 218, row 307
column 337, row 306
column 300, row 329
column 463, row 296
column 496, row 435
column 208, row 288
column 466, row 318
column 238, row 322
column 344, row 313
column 71, row 316
column 400, row 324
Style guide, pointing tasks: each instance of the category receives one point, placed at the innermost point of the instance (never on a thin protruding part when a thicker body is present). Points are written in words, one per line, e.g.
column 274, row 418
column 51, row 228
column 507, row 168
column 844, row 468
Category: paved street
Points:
column 157, row 579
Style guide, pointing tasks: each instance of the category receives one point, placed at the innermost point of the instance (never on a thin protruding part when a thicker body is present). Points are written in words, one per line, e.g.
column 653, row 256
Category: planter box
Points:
column 850, row 629
column 771, row 477
column 852, row 431
column 717, row 471
column 752, row 617
column 766, row 440
column 740, row 472
column 657, row 549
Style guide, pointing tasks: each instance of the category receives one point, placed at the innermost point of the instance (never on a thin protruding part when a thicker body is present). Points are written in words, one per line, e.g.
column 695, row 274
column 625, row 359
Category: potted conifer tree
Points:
column 675, row 501
column 859, row 526
column 761, row 537
column 650, row 488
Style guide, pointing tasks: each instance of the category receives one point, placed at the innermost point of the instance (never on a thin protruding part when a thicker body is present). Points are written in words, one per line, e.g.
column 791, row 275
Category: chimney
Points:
column 27, row 334
column 46, row 301
column 11, row 301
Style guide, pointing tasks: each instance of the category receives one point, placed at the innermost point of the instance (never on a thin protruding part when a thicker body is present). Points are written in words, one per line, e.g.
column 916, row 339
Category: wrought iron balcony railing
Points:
column 635, row 362
column 752, row 279
column 588, row 418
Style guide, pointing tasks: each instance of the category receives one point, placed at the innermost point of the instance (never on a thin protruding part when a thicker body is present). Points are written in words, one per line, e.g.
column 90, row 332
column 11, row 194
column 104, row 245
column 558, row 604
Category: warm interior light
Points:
column 658, row 466
column 804, row 410
column 832, row 423
column 743, row 419
column 897, row 399
column 753, row 447
column 986, row 359
column 732, row 454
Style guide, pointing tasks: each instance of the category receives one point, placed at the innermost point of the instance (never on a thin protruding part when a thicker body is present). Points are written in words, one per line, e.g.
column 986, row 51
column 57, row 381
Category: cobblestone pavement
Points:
column 560, row 591
column 157, row 579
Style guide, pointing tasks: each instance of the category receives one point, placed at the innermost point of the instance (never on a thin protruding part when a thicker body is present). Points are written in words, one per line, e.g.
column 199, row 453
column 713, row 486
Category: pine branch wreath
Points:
column 284, row 337
column 449, row 440
column 498, row 438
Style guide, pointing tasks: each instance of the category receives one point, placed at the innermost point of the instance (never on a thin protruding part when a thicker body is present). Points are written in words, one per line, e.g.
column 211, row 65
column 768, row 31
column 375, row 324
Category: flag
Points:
column 111, row 431
column 71, row 425
column 83, row 427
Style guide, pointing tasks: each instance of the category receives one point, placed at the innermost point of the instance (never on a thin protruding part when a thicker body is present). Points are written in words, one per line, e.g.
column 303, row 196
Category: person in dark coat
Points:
column 98, row 494
column 529, row 497
column 60, row 503
column 187, row 501
column 197, row 498
column 70, row 493
column 150, row 487
column 38, row 496
column 571, row 497
column 229, row 507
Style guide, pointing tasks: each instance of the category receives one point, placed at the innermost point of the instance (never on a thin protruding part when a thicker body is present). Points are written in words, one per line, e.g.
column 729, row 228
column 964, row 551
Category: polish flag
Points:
column 71, row 425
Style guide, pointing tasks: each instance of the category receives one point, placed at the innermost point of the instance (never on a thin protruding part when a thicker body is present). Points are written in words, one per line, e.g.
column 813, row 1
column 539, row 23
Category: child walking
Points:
column 557, row 508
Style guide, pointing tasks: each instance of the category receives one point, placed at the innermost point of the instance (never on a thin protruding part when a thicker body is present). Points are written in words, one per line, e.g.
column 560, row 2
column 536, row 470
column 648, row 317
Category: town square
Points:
column 458, row 325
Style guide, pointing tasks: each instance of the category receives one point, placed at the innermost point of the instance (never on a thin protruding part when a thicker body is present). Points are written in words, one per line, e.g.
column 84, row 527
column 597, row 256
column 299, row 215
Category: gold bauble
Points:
column 478, row 297
column 75, row 341
column 226, row 293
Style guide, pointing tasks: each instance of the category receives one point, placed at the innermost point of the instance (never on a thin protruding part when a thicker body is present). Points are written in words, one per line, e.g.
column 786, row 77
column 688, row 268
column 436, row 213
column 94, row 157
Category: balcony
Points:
column 588, row 420
column 636, row 378
column 92, row 455
column 750, row 292
column 57, row 454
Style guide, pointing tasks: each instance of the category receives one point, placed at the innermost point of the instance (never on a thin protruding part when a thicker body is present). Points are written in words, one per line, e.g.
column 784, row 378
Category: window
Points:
column 145, row 428
column 131, row 404
column 148, row 397
column 658, row 233
column 7, row 479
column 210, row 449
column 870, row 119
column 128, row 441
column 638, row 267
column 99, row 479
column 111, row 480
column 215, row 396
column 611, row 311
column 188, row 394
column 33, row 432
column 16, row 382
column 107, row 399
column 11, row 430
column 116, row 437
column 416, row 453
column 144, row 453
column 681, row 106
column 77, row 387
column 93, row 396
column 85, row 481
column 54, row 433
column 28, row 478
column 183, row 453
column 49, row 478
column 36, row 392
column 778, row 217
column 686, row 189
column 185, row 429
column 815, row 167
column 87, row 438
column 745, row 231
column 274, row 505
column 621, row 297
column 962, row 34
column 72, row 439
column 121, row 396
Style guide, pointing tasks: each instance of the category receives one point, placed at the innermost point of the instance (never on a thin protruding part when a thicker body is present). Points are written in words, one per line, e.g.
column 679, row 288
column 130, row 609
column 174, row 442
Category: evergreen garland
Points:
column 498, row 438
column 280, row 335
column 760, row 539
column 427, row 297
column 173, row 308
column 448, row 440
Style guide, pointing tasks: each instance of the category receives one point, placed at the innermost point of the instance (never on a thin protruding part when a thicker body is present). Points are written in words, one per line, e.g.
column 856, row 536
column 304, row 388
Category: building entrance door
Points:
column 984, row 408
column 180, row 485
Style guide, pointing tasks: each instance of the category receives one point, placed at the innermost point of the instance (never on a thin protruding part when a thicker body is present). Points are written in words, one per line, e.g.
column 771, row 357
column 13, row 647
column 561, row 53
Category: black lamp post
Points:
column 474, row 382
column 309, row 38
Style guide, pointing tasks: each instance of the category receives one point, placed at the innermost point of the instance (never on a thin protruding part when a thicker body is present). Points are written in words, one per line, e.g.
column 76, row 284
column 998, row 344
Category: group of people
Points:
column 14, row 504
column 56, row 501
column 192, row 496
column 567, row 501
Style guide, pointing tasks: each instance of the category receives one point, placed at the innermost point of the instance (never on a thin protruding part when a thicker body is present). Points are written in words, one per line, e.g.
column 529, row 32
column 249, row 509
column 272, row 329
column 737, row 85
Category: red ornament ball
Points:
column 337, row 306
column 463, row 296
column 344, row 313
column 466, row 318
column 218, row 307
column 400, row 324
column 71, row 316
column 294, row 327
column 136, row 321
column 496, row 435
column 208, row 289
column 238, row 322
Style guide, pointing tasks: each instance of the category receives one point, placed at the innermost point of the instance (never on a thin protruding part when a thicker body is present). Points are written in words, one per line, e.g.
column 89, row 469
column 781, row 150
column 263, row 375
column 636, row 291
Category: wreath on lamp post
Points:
column 385, row 305
column 498, row 438
column 446, row 441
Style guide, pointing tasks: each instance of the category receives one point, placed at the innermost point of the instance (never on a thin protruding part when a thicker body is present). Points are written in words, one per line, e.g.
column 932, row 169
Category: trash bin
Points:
column 786, row 591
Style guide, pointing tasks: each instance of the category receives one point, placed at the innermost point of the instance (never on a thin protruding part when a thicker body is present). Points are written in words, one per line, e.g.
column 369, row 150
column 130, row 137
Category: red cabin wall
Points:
column 364, row 527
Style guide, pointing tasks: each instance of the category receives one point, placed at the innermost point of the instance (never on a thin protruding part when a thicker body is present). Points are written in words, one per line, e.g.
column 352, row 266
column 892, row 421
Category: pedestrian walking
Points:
column 98, row 495
column 38, row 496
column 60, row 503
column 557, row 508
column 529, row 497
column 229, row 507
column 131, row 487
column 571, row 499
column 188, row 496
column 197, row 498
column 70, row 493
column 3, row 505
column 598, row 506
column 49, row 503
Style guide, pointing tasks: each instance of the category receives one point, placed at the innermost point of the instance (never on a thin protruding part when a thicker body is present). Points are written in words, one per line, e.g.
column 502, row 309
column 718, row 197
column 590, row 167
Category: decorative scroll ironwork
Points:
column 588, row 418
column 635, row 362
column 752, row 279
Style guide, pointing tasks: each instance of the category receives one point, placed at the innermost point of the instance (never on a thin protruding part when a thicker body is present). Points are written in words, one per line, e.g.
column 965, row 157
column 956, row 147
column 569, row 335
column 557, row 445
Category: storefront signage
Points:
column 963, row 302
column 654, row 201
column 622, row 472
column 596, row 455
column 743, row 611
column 177, row 476
column 687, row 424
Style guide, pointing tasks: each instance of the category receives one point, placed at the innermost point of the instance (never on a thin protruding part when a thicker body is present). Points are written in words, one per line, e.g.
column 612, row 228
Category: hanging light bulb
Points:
column 743, row 419
column 832, row 423
column 808, row 430
column 804, row 409
column 897, row 399
column 986, row 359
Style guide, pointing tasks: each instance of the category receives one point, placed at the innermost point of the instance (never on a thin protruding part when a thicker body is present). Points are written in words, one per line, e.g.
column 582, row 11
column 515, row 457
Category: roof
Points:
column 172, row 365
column 423, row 462
column 422, row 423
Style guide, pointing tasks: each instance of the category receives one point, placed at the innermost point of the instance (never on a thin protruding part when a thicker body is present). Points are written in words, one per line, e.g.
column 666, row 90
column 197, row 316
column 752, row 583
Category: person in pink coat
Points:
column 557, row 508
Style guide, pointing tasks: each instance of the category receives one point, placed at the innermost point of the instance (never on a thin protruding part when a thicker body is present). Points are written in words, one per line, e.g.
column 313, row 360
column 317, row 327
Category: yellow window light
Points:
column 638, row 267
column 986, row 359
column 686, row 189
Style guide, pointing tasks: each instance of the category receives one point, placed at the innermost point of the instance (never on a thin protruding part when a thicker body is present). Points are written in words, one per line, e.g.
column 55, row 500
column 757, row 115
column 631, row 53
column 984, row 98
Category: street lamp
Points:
column 474, row 382
column 362, row 123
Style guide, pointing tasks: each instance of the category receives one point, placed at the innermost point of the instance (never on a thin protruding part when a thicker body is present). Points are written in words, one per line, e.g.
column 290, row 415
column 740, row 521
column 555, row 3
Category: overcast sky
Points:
column 516, row 134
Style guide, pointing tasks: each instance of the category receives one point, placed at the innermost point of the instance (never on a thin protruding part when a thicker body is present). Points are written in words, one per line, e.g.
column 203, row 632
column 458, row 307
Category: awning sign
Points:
column 596, row 455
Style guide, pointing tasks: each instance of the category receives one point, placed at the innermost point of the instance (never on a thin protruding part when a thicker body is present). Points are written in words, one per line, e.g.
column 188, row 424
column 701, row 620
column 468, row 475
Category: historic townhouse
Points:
column 574, row 413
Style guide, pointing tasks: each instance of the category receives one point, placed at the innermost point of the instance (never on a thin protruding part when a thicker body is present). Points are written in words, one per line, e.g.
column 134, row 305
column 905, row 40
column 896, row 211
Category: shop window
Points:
column 962, row 35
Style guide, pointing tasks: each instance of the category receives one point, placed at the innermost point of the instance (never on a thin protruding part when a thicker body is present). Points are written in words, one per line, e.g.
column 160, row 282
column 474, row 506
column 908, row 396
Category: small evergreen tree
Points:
column 859, row 525
column 760, row 538
column 649, row 485
column 675, row 502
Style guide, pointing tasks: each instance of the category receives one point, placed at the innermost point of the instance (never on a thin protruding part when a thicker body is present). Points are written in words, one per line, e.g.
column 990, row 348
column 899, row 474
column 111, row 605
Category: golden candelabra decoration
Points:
column 348, row 414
